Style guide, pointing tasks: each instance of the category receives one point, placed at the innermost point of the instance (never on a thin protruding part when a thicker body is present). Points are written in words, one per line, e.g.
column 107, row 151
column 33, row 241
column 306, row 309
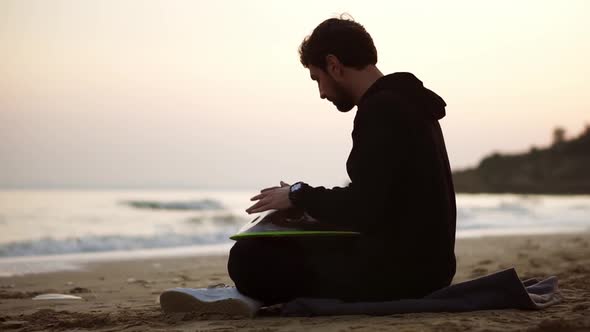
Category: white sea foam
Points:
column 50, row 246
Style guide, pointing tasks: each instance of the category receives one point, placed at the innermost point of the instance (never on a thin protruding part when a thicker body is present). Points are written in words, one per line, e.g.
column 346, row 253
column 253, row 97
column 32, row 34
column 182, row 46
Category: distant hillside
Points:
column 563, row 168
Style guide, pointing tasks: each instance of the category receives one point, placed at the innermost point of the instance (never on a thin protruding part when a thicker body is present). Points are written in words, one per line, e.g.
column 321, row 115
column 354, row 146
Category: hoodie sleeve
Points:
column 375, row 165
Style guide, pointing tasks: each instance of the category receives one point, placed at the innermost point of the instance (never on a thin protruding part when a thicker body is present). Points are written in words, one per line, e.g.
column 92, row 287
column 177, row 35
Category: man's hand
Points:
column 271, row 198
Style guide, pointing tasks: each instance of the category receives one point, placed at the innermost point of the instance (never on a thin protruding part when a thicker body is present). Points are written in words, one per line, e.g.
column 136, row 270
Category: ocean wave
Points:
column 580, row 207
column 91, row 243
column 223, row 219
column 502, row 208
column 200, row 205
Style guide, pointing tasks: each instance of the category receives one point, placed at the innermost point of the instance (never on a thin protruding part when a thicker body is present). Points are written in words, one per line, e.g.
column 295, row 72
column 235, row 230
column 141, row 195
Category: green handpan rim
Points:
column 291, row 233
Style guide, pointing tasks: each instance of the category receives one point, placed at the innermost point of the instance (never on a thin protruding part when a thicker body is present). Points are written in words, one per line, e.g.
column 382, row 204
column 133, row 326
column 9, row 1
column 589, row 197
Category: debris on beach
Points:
column 55, row 296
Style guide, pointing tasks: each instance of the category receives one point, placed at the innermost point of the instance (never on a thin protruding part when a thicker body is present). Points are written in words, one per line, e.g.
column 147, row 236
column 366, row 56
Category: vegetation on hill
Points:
column 562, row 168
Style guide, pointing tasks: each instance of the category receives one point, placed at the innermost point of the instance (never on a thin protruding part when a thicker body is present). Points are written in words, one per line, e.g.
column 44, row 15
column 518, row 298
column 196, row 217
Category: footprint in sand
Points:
column 79, row 290
column 478, row 272
column 535, row 263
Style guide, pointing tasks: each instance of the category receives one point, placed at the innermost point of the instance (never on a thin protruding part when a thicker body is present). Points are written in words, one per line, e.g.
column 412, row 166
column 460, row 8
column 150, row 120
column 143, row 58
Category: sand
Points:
column 121, row 296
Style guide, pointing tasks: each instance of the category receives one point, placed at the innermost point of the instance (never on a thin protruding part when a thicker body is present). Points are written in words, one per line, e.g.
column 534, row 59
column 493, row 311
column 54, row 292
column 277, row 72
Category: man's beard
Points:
column 342, row 100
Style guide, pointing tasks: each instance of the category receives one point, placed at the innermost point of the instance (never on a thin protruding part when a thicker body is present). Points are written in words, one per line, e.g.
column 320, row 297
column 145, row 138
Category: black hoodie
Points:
column 401, row 195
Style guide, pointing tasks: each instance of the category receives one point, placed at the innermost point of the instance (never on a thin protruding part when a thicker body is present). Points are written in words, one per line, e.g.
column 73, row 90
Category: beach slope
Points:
column 121, row 295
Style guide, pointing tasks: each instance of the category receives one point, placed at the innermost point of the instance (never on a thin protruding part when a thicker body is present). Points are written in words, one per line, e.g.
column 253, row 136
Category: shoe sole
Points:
column 174, row 301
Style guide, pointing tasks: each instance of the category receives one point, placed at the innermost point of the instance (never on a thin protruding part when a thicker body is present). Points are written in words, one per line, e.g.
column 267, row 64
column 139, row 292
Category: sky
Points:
column 211, row 94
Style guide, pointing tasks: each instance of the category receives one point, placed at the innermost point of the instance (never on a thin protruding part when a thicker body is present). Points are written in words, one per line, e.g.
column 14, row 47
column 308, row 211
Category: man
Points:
column 401, row 197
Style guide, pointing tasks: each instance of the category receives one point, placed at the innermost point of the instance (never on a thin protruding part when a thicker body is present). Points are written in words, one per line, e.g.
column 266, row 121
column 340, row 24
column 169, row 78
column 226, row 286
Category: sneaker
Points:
column 225, row 300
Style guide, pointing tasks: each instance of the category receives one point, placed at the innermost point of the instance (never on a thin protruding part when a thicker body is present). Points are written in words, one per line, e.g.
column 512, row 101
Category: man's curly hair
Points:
column 341, row 37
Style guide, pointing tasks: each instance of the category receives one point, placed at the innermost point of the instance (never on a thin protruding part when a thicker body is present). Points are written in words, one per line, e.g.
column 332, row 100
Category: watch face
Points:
column 296, row 187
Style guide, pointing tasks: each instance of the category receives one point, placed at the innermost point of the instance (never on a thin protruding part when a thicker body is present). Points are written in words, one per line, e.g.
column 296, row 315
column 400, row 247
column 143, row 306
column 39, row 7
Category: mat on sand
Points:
column 500, row 290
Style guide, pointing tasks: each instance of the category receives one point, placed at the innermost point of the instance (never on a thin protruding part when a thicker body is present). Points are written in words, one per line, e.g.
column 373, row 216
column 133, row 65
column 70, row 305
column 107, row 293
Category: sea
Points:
column 53, row 230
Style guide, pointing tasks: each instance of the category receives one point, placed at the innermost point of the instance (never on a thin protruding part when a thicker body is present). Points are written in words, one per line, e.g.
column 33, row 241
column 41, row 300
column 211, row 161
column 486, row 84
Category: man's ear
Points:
column 333, row 66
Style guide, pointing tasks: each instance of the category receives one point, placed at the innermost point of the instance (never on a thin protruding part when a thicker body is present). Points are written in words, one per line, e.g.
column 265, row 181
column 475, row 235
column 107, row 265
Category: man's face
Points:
column 332, row 90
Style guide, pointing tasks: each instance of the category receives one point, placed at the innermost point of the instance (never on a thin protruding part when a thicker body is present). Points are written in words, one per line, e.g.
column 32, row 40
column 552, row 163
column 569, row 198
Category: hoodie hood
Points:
column 409, row 86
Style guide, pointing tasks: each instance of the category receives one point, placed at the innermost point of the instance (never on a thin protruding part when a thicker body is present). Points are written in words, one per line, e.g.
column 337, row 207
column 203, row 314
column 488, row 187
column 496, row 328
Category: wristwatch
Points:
column 296, row 192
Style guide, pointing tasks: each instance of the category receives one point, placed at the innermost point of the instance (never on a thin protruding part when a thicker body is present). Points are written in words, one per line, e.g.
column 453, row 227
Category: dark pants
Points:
column 277, row 270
